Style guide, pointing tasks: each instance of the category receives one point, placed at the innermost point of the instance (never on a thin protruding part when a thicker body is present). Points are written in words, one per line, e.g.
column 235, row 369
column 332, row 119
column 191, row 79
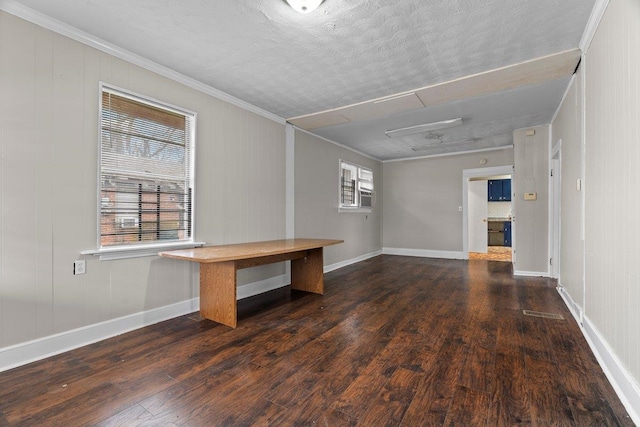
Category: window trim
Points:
column 134, row 251
column 153, row 247
column 358, row 208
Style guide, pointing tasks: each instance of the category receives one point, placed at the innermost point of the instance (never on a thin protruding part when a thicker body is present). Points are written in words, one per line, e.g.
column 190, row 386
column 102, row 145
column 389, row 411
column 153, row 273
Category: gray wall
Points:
column 531, row 218
column 568, row 128
column 49, row 142
column 600, row 132
column 612, row 180
column 317, row 172
column 422, row 198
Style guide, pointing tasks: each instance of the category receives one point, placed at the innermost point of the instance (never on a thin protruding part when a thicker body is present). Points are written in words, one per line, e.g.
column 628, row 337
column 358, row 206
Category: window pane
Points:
column 145, row 177
column 356, row 186
column 348, row 187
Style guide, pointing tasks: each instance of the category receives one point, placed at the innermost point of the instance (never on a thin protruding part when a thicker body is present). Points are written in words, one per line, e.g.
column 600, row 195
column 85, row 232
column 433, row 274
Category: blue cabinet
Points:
column 506, row 190
column 494, row 190
column 499, row 190
column 507, row 233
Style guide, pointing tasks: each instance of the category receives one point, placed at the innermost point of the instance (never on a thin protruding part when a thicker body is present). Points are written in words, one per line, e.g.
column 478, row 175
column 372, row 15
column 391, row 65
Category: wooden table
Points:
column 218, row 266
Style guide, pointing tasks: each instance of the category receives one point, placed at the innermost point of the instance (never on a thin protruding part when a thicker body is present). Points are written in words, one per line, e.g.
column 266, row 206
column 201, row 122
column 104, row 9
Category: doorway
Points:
column 488, row 231
column 477, row 216
column 555, row 225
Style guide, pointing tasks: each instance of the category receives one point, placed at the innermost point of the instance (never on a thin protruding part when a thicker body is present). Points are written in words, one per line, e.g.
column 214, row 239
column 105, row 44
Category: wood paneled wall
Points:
column 612, row 180
column 567, row 128
column 48, row 183
column 531, row 224
column 317, row 172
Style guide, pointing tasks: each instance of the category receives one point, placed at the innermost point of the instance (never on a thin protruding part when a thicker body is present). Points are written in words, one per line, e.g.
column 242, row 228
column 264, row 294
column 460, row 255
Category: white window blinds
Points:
column 146, row 171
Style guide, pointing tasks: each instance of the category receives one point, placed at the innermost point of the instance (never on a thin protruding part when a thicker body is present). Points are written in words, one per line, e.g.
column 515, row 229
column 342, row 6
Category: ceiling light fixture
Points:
column 304, row 6
column 412, row 130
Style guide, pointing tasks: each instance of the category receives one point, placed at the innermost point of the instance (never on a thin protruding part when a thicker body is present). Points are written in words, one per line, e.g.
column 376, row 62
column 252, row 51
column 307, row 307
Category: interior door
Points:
column 477, row 216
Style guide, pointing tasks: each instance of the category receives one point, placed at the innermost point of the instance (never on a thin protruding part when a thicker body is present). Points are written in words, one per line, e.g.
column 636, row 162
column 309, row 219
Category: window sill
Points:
column 354, row 210
column 137, row 251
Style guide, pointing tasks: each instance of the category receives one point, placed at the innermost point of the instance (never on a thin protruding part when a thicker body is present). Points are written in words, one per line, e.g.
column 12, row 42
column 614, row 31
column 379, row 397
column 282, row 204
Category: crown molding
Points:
column 14, row 8
column 592, row 25
column 368, row 156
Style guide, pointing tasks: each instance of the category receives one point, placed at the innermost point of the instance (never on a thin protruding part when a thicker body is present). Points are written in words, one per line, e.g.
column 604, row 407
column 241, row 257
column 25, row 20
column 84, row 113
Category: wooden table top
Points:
column 247, row 250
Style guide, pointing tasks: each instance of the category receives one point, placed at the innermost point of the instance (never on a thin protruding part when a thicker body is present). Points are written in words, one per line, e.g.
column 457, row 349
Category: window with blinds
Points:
column 356, row 186
column 146, row 171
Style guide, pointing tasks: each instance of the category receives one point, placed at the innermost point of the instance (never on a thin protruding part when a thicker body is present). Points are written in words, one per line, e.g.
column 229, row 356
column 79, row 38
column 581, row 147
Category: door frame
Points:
column 481, row 173
column 555, row 209
column 477, row 188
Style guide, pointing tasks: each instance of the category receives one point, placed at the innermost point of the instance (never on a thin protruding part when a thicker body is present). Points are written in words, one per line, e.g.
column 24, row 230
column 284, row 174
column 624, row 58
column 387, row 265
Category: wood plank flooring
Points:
column 395, row 341
column 494, row 253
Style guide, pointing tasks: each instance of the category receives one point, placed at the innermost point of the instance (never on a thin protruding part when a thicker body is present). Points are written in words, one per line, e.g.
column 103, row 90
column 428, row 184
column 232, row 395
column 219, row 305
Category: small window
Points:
column 356, row 187
column 146, row 171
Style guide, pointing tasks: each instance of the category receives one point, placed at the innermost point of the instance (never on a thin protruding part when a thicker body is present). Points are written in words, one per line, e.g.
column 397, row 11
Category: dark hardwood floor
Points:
column 396, row 341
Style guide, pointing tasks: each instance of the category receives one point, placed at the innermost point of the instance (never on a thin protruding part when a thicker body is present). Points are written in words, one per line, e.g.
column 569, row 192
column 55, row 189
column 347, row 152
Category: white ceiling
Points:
column 353, row 52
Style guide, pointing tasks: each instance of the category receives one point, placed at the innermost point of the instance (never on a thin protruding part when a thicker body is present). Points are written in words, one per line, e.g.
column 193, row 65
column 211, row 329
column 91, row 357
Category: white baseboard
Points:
column 23, row 353
column 573, row 307
column 623, row 383
column 41, row 348
column 424, row 253
column 337, row 265
column 255, row 288
column 621, row 380
column 531, row 273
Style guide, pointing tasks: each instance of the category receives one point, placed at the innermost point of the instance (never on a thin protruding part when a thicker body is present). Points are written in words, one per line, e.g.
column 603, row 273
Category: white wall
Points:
column 421, row 202
column 317, row 179
column 599, row 125
column 478, row 213
column 48, row 182
column 612, row 69
column 612, row 180
column 531, row 217
column 568, row 128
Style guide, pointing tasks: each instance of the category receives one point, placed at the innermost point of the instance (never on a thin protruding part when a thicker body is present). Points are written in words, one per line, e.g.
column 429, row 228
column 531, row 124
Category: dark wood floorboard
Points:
column 395, row 341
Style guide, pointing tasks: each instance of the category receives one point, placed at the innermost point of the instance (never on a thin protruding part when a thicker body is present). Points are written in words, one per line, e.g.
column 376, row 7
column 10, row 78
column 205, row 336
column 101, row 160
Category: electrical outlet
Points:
column 79, row 267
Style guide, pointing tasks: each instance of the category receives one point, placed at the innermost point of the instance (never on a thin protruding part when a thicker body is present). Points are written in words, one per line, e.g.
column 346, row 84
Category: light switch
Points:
column 579, row 184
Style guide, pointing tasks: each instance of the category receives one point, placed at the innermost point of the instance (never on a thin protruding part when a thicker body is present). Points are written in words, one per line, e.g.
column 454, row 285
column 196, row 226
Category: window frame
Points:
column 356, row 206
column 116, row 251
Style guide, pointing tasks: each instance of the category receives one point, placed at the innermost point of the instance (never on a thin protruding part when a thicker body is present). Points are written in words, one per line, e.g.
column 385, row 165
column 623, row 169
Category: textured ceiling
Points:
column 488, row 122
column 346, row 52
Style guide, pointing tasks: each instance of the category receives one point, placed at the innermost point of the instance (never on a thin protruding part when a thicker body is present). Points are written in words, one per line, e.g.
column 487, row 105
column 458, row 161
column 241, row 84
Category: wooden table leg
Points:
column 218, row 292
column 307, row 274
